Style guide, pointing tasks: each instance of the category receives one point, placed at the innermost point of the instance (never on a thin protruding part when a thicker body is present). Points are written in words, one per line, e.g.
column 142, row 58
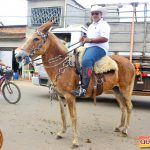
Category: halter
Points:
column 44, row 37
column 64, row 59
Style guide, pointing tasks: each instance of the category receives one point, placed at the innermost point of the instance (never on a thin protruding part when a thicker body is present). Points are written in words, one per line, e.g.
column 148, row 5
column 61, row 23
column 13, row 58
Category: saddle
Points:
column 100, row 68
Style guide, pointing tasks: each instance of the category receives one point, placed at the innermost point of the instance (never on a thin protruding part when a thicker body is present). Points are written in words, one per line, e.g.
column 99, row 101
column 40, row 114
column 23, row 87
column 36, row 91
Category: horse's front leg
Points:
column 71, row 100
column 62, row 103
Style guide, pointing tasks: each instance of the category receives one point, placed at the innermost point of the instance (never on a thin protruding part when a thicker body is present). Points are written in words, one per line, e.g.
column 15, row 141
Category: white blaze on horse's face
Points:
column 22, row 54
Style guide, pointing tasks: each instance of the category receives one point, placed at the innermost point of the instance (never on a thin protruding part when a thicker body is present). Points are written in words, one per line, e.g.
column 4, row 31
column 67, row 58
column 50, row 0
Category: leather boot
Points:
column 85, row 79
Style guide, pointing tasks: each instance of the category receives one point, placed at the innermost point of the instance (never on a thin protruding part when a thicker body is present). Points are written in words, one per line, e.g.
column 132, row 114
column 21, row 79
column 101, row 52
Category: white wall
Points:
column 6, row 57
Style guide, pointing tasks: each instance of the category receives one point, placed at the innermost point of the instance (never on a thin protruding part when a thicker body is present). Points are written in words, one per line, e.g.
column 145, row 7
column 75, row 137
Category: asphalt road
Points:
column 32, row 124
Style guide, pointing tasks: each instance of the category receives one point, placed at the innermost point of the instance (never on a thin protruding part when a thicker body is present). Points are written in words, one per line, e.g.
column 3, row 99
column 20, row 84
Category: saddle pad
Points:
column 105, row 64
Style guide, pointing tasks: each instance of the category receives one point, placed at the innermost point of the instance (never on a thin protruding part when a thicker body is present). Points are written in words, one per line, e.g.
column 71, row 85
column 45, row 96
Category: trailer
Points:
column 130, row 37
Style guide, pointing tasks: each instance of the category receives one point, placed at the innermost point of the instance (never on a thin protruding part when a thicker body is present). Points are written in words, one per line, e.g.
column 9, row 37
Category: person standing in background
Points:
column 1, row 65
column 20, row 69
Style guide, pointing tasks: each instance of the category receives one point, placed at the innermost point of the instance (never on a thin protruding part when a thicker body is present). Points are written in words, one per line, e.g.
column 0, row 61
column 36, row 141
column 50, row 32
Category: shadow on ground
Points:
column 138, row 102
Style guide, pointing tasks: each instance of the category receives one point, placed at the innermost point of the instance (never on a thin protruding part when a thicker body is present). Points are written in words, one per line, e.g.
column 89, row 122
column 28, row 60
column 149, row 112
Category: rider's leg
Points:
column 91, row 55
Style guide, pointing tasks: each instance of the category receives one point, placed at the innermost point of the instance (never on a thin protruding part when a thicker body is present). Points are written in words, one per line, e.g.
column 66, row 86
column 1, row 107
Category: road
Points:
column 32, row 124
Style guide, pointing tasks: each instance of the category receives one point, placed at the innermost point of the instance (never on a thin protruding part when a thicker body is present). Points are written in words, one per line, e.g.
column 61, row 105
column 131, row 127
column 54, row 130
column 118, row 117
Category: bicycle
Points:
column 10, row 90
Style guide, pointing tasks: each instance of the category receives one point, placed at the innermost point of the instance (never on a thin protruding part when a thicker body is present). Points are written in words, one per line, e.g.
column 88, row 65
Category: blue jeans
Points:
column 91, row 55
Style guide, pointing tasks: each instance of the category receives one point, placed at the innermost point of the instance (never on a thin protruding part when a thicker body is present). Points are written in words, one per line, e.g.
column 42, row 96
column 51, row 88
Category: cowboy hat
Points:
column 99, row 8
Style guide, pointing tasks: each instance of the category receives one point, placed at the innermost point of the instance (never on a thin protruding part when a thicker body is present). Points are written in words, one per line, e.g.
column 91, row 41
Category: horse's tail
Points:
column 132, row 82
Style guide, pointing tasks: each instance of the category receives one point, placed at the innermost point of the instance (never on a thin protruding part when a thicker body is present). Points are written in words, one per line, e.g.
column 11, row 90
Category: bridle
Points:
column 51, row 60
column 62, row 60
column 44, row 37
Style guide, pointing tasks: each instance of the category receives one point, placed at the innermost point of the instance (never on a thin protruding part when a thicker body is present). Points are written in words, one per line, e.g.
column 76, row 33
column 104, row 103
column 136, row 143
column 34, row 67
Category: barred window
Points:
column 5, row 49
column 43, row 14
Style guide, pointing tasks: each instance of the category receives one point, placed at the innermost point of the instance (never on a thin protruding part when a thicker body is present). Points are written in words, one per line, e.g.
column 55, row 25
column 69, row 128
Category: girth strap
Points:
column 98, row 85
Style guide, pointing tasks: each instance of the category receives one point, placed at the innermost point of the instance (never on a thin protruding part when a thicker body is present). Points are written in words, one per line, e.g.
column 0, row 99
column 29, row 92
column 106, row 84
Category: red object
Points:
column 144, row 74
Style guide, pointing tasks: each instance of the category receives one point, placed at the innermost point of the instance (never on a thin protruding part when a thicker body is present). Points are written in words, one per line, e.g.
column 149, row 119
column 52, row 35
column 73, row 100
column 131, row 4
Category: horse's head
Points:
column 35, row 44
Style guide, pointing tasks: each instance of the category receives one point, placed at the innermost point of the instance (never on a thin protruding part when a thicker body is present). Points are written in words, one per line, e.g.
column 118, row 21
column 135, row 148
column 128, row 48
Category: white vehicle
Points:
column 71, row 35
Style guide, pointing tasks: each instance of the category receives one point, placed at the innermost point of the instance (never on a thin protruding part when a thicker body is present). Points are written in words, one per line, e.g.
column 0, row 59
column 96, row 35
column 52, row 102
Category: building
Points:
column 10, row 38
column 64, row 12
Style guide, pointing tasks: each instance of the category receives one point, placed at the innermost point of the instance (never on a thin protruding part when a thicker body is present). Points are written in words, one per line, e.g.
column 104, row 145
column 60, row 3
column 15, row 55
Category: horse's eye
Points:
column 35, row 39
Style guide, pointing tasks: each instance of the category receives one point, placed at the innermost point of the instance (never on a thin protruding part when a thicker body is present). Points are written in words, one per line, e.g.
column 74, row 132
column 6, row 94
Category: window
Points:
column 43, row 14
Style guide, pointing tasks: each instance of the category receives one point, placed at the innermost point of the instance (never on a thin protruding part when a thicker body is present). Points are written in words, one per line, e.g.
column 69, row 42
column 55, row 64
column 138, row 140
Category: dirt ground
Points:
column 32, row 124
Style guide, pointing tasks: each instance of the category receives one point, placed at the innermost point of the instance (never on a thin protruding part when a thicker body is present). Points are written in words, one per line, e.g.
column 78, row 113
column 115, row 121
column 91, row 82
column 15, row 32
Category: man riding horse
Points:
column 55, row 59
column 96, row 44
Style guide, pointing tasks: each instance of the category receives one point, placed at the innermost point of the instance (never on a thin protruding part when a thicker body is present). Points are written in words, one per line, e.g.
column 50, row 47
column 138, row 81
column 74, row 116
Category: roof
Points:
column 12, row 32
column 72, row 0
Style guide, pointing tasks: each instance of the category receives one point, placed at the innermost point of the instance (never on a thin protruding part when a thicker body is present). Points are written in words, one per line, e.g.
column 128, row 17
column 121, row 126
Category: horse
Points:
column 64, row 77
column 1, row 139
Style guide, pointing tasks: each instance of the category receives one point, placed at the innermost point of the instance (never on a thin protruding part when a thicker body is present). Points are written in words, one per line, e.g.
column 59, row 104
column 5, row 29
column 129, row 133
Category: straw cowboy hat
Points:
column 101, row 9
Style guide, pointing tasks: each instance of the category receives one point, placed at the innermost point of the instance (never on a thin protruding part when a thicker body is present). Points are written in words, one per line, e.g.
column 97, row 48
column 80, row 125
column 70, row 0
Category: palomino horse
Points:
column 65, row 79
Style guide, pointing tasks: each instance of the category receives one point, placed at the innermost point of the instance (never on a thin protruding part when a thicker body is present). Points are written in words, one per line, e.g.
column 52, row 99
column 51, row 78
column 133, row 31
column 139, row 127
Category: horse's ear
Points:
column 45, row 26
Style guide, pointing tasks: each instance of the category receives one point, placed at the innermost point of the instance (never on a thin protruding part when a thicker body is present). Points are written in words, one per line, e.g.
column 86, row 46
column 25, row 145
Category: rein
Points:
column 52, row 60
column 60, row 59
column 59, row 56
column 44, row 36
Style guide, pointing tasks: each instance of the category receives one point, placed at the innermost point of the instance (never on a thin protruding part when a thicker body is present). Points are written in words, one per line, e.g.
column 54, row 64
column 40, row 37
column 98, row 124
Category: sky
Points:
column 14, row 12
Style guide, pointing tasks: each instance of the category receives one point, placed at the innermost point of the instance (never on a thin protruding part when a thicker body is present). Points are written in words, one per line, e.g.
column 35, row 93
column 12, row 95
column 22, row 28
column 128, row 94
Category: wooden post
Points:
column 132, row 38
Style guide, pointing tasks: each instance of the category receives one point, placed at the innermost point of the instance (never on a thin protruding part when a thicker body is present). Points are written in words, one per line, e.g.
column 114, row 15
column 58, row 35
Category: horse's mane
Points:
column 56, row 44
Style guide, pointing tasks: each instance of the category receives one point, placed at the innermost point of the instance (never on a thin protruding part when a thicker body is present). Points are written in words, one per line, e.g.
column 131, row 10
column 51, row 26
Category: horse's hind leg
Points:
column 124, row 99
column 127, row 94
column 62, row 103
column 121, row 102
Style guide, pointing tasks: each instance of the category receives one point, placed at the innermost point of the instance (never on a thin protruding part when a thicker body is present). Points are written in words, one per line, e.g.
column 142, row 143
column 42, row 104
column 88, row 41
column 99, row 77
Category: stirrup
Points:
column 79, row 92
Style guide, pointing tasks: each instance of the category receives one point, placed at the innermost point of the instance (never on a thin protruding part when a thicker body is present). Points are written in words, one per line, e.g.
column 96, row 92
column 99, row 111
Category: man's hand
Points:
column 85, row 40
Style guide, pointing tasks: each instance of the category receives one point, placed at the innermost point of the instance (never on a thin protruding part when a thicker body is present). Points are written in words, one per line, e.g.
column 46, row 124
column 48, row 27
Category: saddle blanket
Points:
column 105, row 64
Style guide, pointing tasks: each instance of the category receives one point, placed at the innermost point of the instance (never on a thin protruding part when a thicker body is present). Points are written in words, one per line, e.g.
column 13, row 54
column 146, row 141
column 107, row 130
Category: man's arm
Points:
column 94, row 40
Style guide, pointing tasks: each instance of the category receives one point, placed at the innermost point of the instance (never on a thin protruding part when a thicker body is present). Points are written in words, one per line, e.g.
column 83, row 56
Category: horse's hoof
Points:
column 75, row 144
column 117, row 130
column 59, row 137
column 124, row 134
